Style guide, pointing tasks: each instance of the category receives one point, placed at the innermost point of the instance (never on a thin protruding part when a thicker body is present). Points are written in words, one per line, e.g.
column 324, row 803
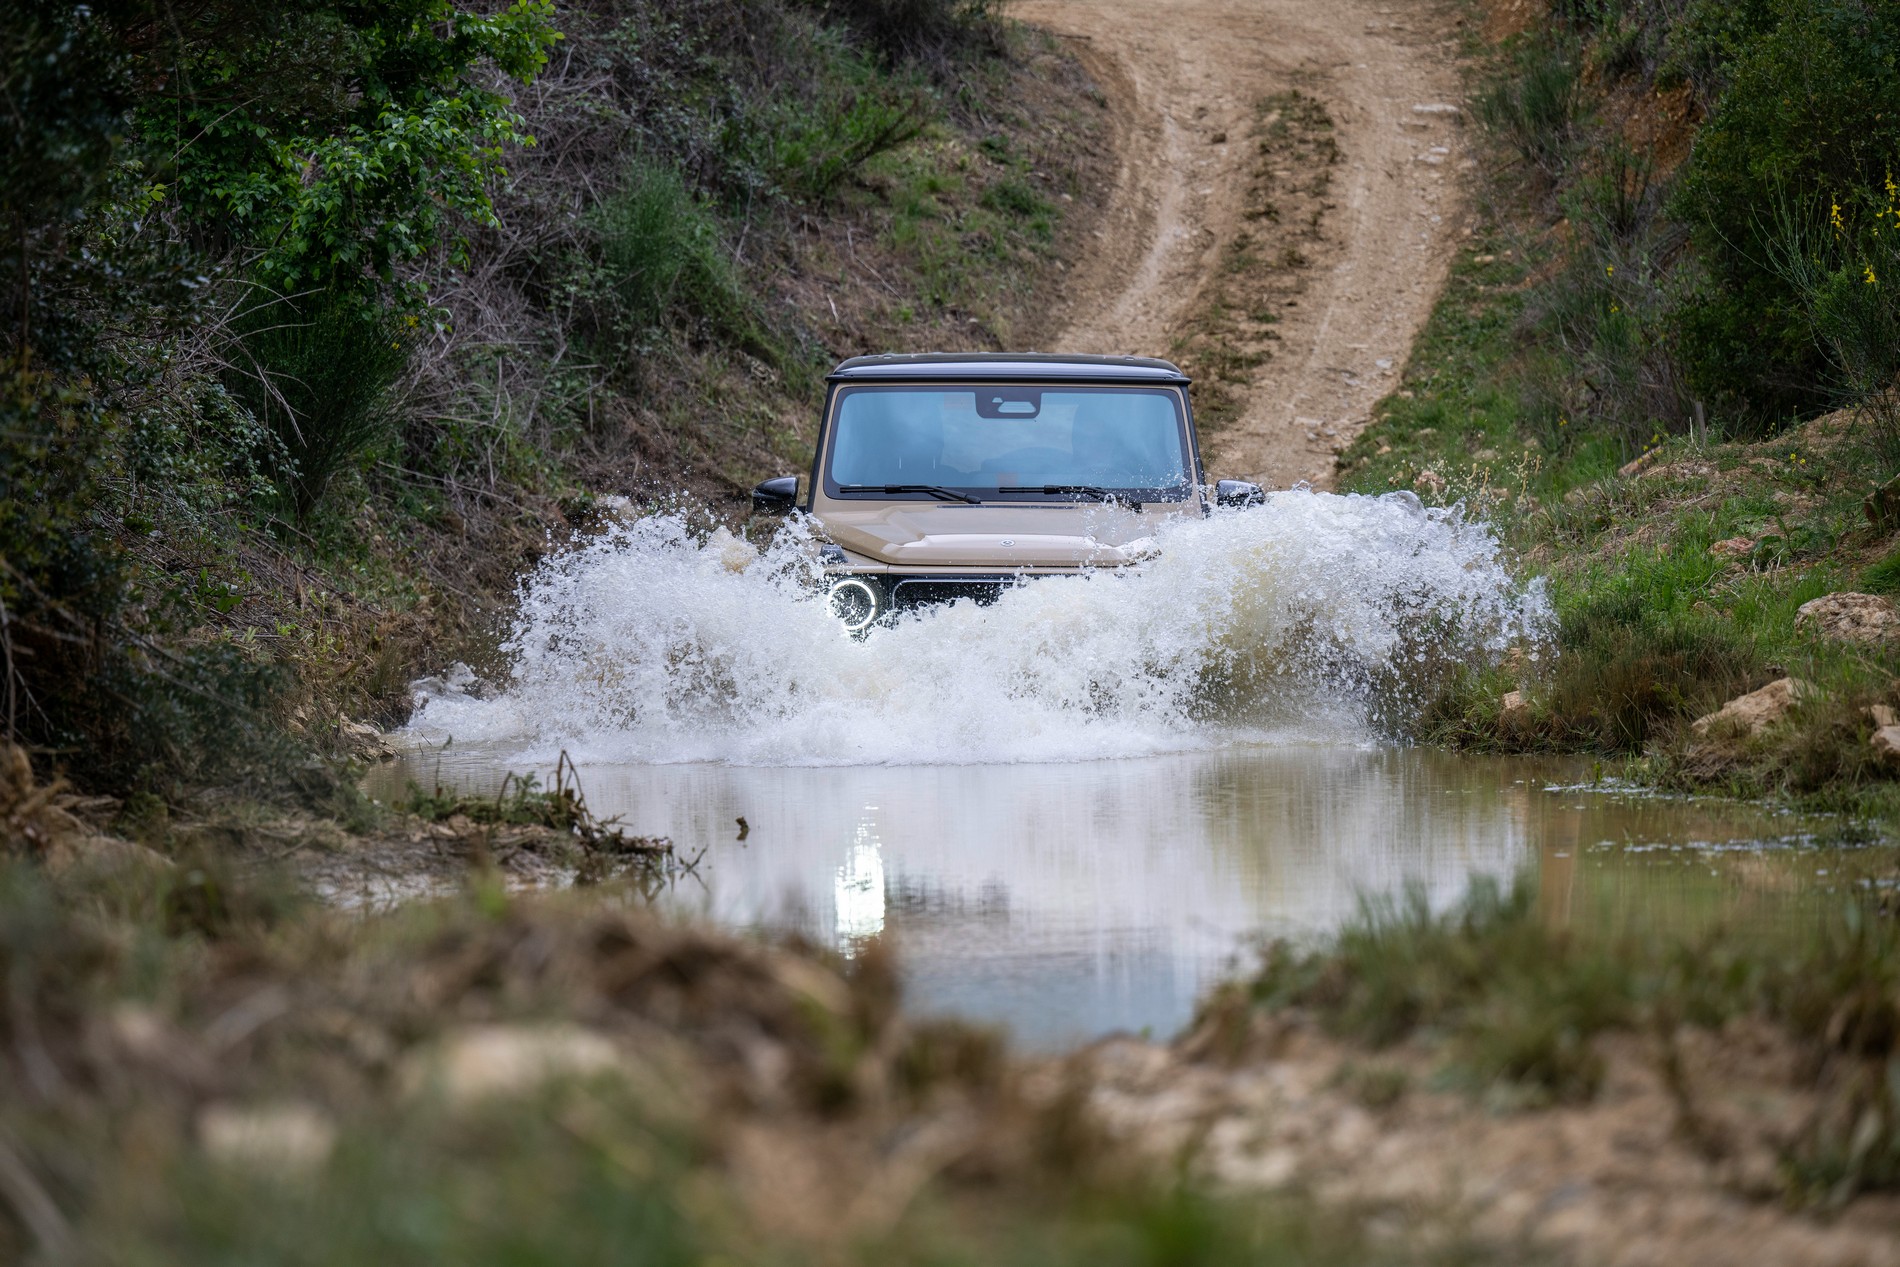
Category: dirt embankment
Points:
column 1678, row 1159
column 1322, row 273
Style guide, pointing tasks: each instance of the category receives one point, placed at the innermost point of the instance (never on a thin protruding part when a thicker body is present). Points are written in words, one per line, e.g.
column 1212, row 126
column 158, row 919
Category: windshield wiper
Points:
column 1090, row 490
column 935, row 490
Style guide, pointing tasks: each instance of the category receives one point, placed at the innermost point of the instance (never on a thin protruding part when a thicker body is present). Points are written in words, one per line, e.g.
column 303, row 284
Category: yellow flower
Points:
column 1871, row 279
column 1834, row 218
column 1609, row 270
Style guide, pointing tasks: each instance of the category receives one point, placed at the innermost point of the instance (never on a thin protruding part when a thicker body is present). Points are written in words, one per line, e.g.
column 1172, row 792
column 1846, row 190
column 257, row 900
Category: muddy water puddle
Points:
column 1068, row 900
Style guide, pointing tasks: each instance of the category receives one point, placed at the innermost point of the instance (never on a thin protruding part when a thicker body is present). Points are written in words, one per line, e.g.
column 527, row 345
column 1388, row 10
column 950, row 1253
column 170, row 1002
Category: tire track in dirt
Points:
column 1184, row 78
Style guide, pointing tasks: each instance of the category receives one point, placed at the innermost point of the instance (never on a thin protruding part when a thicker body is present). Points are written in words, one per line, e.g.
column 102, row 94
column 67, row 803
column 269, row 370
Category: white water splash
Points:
column 1314, row 618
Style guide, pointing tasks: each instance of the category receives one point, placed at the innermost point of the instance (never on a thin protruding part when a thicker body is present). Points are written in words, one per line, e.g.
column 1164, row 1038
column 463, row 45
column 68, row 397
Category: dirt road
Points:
column 1290, row 274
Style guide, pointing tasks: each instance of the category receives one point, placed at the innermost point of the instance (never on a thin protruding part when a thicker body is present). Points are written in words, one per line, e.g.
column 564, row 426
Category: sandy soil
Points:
column 1637, row 1177
column 1184, row 78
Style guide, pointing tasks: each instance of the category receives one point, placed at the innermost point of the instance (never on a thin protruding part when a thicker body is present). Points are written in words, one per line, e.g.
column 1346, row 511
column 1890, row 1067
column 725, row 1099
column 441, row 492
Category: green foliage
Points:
column 1014, row 196
column 63, row 92
column 316, row 370
column 809, row 147
column 179, row 452
column 151, row 149
column 1535, row 103
column 1843, row 264
column 660, row 258
column 1602, row 318
column 1883, row 577
column 1808, row 116
column 377, row 127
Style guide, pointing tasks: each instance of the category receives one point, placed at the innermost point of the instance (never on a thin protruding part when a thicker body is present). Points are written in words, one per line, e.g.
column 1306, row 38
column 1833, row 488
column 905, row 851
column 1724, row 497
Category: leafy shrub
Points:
column 1605, row 313
column 1534, row 105
column 1807, row 115
column 1844, row 269
column 809, row 147
column 659, row 258
column 335, row 140
column 317, row 370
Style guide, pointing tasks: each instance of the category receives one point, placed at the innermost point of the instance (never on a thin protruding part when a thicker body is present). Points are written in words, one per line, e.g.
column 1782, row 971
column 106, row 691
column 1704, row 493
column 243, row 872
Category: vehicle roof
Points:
column 993, row 366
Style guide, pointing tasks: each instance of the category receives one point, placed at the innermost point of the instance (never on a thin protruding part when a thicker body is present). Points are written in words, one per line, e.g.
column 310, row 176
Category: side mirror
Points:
column 1235, row 493
column 776, row 497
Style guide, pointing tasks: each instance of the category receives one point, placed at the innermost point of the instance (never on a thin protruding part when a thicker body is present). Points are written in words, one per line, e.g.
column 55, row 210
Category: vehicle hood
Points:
column 951, row 535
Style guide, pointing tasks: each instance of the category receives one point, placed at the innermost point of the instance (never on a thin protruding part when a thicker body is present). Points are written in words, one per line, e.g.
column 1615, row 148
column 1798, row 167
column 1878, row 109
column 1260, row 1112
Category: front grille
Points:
column 927, row 591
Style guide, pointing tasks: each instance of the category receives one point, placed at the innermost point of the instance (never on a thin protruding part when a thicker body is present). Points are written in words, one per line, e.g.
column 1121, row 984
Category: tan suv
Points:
column 948, row 476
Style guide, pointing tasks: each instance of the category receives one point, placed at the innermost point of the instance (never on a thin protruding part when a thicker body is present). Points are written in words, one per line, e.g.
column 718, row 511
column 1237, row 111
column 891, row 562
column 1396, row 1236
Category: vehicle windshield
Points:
column 1010, row 439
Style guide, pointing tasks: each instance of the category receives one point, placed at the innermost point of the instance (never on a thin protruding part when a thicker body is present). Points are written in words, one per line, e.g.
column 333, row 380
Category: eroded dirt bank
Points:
column 1643, row 1173
column 1317, row 274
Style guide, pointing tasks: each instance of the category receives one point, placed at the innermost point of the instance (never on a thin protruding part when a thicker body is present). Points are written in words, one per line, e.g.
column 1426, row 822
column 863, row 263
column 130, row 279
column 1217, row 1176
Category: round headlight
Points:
column 856, row 603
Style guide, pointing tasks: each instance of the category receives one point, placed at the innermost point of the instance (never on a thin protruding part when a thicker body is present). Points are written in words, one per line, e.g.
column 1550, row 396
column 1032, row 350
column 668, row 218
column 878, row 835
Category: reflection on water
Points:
column 1070, row 900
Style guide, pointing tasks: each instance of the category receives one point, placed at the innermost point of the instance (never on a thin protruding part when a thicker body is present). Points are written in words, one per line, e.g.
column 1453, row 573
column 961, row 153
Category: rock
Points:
column 1430, row 483
column 1680, row 471
column 282, row 1139
column 1439, row 108
column 1886, row 745
column 1514, row 712
column 1642, row 463
column 1732, row 547
column 1847, row 617
column 486, row 1061
column 1756, row 711
column 1882, row 716
column 363, row 741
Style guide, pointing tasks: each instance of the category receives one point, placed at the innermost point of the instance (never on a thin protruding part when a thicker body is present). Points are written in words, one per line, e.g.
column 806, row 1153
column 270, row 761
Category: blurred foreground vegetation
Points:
column 208, row 1068
column 206, row 1065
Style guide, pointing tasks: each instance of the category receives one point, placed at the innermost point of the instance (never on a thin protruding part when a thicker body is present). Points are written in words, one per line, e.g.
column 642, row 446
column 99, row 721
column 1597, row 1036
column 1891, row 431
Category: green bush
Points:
column 1843, row 265
column 809, row 148
column 317, row 370
column 660, row 259
column 1808, row 115
column 1534, row 105
column 1602, row 318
